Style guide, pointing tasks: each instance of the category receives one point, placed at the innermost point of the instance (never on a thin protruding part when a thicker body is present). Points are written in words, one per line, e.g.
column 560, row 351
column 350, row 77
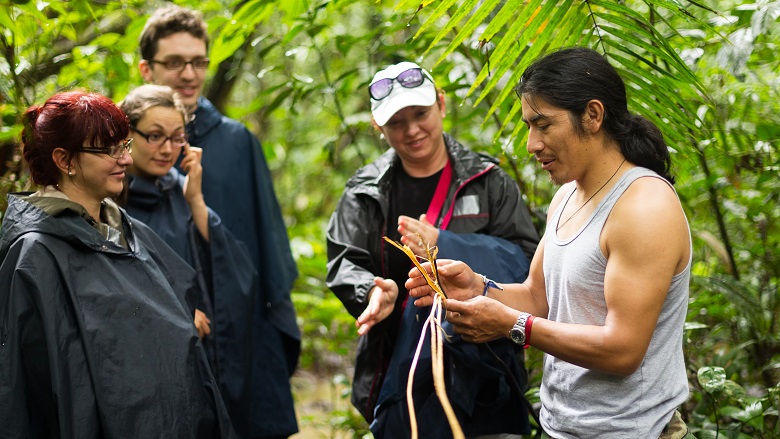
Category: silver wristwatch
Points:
column 517, row 333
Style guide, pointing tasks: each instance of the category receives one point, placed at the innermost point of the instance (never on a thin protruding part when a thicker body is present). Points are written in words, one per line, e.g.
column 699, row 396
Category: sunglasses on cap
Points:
column 410, row 78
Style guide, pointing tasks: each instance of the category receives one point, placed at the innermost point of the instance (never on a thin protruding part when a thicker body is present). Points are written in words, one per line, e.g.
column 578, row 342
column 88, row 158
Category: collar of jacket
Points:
column 205, row 118
column 64, row 222
column 145, row 193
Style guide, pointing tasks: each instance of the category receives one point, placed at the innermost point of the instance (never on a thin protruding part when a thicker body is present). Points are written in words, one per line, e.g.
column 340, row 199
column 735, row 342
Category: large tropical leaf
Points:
column 661, row 86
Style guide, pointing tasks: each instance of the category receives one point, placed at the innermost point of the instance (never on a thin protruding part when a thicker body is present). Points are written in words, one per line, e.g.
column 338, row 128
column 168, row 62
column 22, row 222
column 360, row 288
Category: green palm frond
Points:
column 661, row 86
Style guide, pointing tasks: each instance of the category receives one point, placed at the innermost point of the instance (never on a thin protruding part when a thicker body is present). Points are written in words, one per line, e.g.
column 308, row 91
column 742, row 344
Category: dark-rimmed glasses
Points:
column 157, row 139
column 116, row 151
column 178, row 64
column 410, row 78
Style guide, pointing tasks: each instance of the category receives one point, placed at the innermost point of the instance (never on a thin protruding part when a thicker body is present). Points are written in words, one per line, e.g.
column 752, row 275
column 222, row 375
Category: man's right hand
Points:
column 381, row 302
column 455, row 277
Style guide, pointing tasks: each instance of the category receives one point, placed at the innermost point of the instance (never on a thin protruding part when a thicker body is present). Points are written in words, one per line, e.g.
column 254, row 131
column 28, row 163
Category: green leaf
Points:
column 690, row 326
column 499, row 20
column 10, row 133
column 441, row 10
column 549, row 28
column 468, row 29
column 292, row 9
column 712, row 379
column 6, row 21
column 235, row 32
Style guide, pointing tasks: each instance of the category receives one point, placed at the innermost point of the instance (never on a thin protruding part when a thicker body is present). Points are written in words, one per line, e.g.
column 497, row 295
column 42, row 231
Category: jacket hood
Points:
column 372, row 178
column 60, row 218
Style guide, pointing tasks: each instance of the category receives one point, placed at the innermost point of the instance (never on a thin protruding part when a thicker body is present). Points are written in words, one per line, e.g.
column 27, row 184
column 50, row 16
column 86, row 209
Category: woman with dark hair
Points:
column 96, row 338
column 427, row 190
column 172, row 205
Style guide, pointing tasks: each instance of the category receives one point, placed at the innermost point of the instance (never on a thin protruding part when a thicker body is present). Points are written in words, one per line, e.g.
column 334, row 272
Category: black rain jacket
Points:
column 97, row 341
column 485, row 211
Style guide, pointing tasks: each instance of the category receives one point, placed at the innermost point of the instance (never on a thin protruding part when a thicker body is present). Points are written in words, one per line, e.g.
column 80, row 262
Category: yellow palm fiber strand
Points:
column 410, row 380
column 433, row 322
column 432, row 282
column 437, row 359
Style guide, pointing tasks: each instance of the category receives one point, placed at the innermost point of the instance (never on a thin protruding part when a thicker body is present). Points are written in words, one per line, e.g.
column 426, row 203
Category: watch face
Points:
column 518, row 335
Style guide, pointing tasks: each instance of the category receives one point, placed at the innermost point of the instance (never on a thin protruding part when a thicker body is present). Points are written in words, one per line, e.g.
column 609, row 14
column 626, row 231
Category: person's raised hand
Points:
column 455, row 277
column 381, row 302
column 190, row 164
column 417, row 233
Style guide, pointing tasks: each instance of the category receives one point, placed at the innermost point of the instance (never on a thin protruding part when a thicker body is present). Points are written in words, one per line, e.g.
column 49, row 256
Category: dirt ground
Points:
column 316, row 398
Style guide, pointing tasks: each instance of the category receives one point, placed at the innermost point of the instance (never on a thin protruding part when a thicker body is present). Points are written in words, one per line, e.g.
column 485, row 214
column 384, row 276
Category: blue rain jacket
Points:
column 237, row 185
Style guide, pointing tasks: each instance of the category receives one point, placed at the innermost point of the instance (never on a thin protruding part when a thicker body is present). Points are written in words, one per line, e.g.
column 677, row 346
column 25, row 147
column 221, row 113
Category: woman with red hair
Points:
column 96, row 337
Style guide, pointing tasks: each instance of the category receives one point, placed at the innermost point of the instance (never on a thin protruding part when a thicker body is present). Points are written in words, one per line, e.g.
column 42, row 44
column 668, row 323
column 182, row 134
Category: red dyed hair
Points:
column 69, row 120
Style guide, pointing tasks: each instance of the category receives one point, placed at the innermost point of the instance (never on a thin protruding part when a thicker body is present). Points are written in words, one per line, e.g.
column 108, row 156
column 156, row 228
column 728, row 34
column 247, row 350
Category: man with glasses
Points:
column 426, row 190
column 237, row 185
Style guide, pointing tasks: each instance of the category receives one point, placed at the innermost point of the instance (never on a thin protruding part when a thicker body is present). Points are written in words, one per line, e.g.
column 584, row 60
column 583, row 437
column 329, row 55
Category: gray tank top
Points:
column 582, row 403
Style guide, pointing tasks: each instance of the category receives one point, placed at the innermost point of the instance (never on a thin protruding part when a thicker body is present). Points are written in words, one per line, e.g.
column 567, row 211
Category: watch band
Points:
column 518, row 331
column 528, row 325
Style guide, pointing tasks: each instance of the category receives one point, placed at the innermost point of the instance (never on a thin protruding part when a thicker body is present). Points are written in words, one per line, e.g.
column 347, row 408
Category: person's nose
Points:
column 125, row 160
column 188, row 72
column 534, row 143
column 412, row 128
column 166, row 147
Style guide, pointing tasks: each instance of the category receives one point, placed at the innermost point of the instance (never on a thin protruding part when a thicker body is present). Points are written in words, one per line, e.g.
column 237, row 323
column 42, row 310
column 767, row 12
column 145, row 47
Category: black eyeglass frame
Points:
column 126, row 147
column 184, row 136
column 203, row 63
column 423, row 73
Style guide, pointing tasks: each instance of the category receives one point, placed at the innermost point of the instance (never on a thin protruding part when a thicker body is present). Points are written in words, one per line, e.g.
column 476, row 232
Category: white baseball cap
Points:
column 401, row 97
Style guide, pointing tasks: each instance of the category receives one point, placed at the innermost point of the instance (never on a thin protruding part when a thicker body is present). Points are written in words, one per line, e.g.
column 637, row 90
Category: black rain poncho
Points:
column 97, row 340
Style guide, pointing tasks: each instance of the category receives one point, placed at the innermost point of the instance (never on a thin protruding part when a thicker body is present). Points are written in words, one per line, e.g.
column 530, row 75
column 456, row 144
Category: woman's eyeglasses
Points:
column 157, row 139
column 411, row 78
column 116, row 151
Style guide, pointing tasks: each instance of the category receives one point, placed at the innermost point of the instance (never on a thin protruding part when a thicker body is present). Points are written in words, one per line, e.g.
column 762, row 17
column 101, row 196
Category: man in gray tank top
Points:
column 607, row 293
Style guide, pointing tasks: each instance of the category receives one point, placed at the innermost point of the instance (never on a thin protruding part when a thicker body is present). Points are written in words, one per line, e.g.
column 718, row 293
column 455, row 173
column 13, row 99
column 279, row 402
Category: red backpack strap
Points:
column 434, row 209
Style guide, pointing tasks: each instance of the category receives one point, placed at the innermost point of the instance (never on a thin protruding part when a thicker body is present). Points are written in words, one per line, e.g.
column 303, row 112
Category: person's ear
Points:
column 145, row 67
column 593, row 118
column 60, row 158
column 442, row 105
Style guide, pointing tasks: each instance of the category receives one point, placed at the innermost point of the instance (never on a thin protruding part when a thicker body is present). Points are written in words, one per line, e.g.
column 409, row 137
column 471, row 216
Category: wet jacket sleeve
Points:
column 351, row 269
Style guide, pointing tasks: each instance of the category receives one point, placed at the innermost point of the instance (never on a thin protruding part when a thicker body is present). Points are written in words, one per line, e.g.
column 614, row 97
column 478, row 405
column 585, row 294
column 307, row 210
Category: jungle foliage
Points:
column 296, row 72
